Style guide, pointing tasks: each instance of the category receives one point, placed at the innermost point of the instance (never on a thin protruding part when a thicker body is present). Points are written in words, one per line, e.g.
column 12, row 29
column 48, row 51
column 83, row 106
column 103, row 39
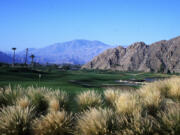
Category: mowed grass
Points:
column 70, row 81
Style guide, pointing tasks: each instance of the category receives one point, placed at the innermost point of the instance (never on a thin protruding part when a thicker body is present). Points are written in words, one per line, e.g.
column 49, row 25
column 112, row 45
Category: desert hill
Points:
column 162, row 56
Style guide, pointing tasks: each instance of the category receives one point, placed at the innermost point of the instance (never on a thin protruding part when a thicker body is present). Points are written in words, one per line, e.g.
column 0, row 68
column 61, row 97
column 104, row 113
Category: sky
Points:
column 38, row 23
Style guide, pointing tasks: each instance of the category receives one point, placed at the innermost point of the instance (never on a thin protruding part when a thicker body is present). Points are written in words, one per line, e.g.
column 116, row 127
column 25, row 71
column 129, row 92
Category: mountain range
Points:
column 162, row 56
column 4, row 58
column 74, row 52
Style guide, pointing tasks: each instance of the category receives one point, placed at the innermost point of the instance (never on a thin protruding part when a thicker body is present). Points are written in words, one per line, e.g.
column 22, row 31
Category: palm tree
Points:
column 14, row 49
column 32, row 57
column 26, row 56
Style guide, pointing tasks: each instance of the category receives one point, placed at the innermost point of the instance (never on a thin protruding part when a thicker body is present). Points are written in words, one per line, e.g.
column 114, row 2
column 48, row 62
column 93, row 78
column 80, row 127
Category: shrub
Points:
column 15, row 120
column 54, row 123
column 89, row 99
column 95, row 121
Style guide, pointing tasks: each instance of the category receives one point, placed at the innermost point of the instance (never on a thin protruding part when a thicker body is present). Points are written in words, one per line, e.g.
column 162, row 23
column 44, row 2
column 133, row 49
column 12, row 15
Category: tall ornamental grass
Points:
column 153, row 109
column 88, row 99
column 15, row 120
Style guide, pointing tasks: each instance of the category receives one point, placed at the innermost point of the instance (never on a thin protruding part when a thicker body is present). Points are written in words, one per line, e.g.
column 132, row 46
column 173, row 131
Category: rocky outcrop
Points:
column 162, row 56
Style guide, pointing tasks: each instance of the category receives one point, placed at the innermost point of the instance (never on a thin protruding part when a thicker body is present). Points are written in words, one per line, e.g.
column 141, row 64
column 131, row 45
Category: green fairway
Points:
column 70, row 81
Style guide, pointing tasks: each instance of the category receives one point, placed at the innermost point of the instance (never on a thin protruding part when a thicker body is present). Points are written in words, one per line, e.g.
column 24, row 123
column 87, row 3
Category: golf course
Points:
column 48, row 100
column 74, row 81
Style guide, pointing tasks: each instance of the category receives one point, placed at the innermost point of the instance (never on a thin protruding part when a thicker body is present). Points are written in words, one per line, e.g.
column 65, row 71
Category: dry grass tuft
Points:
column 153, row 94
column 128, row 103
column 89, row 99
column 23, row 102
column 170, row 120
column 54, row 123
column 38, row 100
column 54, row 105
column 151, row 100
column 111, row 95
column 137, row 125
column 10, row 95
column 95, row 122
column 174, row 91
column 15, row 120
column 167, row 88
column 57, row 99
column 150, row 97
column 152, row 109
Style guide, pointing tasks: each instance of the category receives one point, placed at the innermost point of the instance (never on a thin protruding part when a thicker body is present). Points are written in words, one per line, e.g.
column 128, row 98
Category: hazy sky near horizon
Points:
column 38, row 23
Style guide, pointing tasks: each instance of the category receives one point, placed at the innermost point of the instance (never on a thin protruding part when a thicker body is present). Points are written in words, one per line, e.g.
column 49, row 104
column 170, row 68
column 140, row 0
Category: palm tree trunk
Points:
column 26, row 56
column 32, row 62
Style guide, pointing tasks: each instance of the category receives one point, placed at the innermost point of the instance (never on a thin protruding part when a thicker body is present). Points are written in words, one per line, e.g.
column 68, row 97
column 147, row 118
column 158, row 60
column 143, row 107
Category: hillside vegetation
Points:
column 152, row 109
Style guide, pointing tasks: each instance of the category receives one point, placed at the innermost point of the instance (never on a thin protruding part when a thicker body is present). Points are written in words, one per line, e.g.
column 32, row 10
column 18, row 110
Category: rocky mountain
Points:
column 74, row 52
column 4, row 58
column 162, row 56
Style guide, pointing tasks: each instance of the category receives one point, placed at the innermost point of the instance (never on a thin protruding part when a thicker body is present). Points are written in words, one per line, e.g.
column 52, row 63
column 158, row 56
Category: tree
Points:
column 14, row 49
column 26, row 56
column 32, row 57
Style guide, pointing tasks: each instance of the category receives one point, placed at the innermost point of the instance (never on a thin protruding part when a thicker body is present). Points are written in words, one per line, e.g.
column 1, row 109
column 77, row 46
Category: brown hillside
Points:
column 161, row 56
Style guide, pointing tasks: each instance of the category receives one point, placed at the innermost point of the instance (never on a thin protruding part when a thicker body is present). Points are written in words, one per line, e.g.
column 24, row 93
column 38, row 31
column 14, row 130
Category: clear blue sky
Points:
column 38, row 23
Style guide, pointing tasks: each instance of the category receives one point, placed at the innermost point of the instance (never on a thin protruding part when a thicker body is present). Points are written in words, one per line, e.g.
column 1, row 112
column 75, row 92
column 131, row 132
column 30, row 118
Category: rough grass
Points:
column 111, row 95
column 15, row 120
column 127, row 103
column 54, row 123
column 170, row 120
column 57, row 99
column 23, row 102
column 89, row 99
column 152, row 109
column 95, row 121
